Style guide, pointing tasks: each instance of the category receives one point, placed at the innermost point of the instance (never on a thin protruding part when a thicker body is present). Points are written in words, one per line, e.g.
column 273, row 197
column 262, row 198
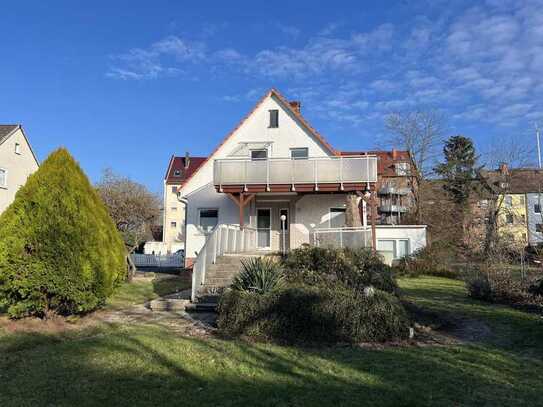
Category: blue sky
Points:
column 124, row 84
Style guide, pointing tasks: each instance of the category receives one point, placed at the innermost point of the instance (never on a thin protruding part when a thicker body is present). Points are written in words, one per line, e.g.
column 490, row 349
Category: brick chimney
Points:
column 504, row 169
column 296, row 105
column 187, row 160
column 394, row 154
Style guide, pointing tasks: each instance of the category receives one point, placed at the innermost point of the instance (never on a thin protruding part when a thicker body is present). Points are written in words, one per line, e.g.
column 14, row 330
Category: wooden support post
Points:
column 374, row 221
column 241, row 202
column 371, row 201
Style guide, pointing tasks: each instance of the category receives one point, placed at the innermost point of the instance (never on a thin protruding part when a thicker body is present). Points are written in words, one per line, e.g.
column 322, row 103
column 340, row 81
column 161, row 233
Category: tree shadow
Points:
column 150, row 365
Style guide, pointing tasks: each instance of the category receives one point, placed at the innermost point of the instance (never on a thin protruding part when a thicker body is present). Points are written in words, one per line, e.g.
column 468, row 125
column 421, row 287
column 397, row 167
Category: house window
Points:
column 174, row 190
column 259, row 154
column 537, row 208
column 397, row 247
column 274, row 119
column 508, row 201
column 177, row 173
column 17, row 148
column 173, row 224
column 337, row 217
column 3, row 177
column 299, row 153
column 208, row 219
column 402, row 168
column 539, row 227
column 174, row 208
column 509, row 218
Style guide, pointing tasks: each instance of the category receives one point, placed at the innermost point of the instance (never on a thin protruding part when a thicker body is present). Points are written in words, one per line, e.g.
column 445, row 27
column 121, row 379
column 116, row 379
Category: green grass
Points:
column 142, row 290
column 136, row 365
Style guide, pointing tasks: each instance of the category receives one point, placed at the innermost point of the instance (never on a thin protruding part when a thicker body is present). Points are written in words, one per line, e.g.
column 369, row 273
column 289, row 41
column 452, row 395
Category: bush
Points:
column 355, row 268
column 314, row 314
column 427, row 261
column 259, row 274
column 497, row 285
column 59, row 249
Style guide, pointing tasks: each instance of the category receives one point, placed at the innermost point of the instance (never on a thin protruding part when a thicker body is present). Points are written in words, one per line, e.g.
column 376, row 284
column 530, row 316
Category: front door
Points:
column 263, row 224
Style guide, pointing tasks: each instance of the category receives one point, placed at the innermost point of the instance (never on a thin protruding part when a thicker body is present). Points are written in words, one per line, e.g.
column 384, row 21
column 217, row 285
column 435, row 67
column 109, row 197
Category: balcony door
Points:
column 263, row 224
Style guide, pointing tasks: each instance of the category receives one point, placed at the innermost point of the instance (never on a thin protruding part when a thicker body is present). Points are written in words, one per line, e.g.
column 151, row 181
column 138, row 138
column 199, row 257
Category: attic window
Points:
column 274, row 119
column 17, row 148
column 177, row 173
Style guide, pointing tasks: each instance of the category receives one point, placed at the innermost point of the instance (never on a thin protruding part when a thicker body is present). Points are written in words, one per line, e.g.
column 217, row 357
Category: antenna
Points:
column 537, row 134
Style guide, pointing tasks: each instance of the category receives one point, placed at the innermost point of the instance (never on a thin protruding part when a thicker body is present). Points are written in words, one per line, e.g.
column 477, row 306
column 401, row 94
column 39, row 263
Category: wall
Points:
column 518, row 230
column 416, row 234
column 19, row 166
column 312, row 212
column 534, row 218
column 174, row 211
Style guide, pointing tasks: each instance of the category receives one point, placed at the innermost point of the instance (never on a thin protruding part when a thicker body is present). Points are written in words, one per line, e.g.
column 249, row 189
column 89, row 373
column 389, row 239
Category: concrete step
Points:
column 201, row 307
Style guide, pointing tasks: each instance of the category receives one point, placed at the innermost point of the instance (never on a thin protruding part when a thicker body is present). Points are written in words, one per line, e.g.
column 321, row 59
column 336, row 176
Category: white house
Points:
column 274, row 183
column 17, row 162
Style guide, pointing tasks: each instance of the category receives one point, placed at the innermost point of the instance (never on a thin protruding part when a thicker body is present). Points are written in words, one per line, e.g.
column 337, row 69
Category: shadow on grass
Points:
column 151, row 366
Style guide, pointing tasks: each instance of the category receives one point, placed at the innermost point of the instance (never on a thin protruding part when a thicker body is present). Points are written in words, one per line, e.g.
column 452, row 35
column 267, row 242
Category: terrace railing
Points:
column 352, row 237
column 316, row 170
column 224, row 239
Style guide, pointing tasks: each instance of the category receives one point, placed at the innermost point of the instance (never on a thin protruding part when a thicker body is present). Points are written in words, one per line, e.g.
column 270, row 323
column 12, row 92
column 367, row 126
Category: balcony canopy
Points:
column 303, row 175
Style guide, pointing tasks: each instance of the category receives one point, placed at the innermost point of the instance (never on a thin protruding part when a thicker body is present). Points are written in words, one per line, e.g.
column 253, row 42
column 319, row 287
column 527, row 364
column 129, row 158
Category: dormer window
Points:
column 299, row 153
column 274, row 119
column 17, row 148
column 260, row 154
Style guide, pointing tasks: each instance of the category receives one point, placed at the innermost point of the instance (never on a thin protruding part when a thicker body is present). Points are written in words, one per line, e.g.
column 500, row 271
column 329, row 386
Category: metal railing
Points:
column 223, row 239
column 158, row 261
column 352, row 237
column 316, row 170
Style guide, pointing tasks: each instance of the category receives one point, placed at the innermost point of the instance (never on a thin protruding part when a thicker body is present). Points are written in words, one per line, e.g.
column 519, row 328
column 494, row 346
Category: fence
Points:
column 223, row 240
column 158, row 261
column 353, row 237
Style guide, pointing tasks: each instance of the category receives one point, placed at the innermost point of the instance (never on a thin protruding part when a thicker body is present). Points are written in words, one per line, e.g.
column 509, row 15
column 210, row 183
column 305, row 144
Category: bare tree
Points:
column 420, row 132
column 133, row 208
column 505, row 154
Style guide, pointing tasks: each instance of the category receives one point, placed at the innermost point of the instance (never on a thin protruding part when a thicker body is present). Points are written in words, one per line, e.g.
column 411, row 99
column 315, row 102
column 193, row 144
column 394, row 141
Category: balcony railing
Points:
column 321, row 170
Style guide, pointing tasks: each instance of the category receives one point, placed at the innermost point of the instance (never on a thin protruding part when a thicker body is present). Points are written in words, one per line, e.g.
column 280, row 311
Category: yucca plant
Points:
column 260, row 275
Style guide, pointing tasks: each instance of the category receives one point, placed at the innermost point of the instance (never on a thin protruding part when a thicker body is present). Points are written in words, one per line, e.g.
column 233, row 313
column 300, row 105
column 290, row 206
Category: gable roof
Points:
column 288, row 107
column 6, row 130
column 178, row 172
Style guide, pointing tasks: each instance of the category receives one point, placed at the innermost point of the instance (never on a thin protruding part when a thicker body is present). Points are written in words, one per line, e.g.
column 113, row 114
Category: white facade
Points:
column 306, row 212
column 17, row 163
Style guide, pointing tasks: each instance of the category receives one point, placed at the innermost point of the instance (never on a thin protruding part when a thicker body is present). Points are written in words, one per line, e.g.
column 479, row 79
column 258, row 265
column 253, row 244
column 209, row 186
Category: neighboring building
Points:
column 517, row 190
column 179, row 169
column 17, row 162
column 274, row 183
column 396, row 185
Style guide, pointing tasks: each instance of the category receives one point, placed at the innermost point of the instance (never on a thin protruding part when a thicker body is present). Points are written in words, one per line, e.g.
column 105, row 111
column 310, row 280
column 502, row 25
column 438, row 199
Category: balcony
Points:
column 392, row 208
column 303, row 175
column 393, row 190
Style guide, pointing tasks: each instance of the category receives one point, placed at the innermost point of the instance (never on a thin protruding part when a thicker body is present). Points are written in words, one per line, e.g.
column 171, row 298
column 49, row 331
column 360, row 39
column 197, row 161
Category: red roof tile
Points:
column 177, row 173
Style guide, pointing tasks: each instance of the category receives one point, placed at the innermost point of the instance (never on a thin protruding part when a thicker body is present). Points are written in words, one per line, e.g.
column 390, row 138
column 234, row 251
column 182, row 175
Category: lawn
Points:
column 144, row 364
